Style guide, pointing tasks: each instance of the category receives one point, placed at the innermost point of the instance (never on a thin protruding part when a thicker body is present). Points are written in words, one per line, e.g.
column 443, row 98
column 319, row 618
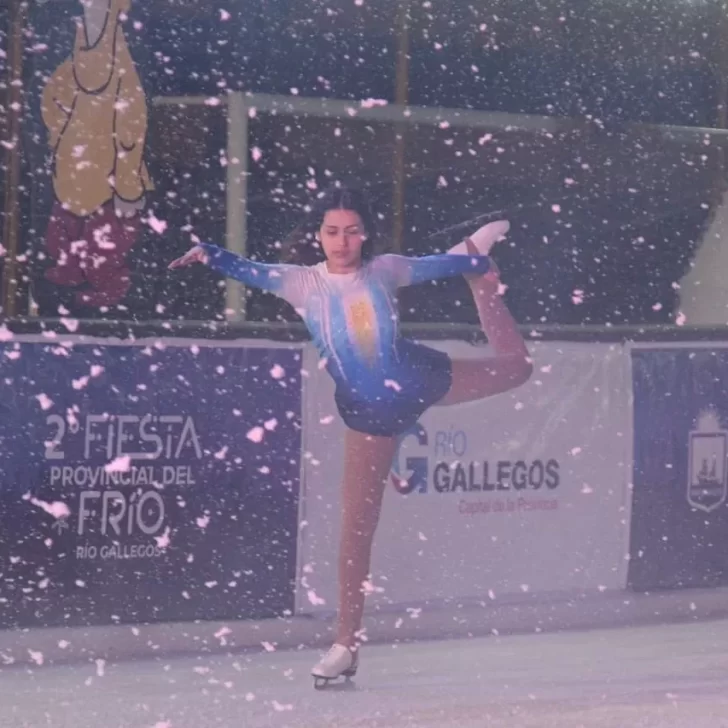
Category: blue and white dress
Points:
column 384, row 382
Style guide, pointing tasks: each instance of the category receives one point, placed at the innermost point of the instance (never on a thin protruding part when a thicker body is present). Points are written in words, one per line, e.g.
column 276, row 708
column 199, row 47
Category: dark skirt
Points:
column 394, row 412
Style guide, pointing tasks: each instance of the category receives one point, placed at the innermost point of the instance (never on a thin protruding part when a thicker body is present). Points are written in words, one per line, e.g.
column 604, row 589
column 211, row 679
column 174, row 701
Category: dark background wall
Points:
column 632, row 203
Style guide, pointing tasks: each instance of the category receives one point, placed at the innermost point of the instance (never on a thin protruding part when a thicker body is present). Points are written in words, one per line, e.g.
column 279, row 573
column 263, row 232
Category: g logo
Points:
column 416, row 468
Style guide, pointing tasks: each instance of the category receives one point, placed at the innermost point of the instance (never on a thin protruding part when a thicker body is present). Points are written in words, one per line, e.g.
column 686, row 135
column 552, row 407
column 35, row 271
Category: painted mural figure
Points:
column 347, row 297
column 95, row 111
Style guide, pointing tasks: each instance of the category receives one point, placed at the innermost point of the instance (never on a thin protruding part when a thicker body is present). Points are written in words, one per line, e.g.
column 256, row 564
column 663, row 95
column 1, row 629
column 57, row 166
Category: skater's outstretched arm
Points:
column 282, row 279
column 409, row 271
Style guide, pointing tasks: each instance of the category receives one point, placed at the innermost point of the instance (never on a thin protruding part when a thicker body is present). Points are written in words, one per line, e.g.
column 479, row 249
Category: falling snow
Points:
column 256, row 434
column 163, row 440
column 44, row 401
column 57, row 509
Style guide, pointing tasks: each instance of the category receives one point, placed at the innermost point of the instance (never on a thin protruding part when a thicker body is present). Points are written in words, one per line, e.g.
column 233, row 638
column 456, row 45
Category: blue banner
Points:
column 680, row 514
column 150, row 482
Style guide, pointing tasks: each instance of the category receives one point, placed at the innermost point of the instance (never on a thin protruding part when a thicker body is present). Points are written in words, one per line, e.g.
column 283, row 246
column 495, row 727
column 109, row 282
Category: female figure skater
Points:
column 384, row 382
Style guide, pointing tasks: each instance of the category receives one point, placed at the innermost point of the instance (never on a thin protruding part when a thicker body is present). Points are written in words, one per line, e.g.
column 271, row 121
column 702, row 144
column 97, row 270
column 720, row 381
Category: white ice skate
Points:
column 339, row 661
column 484, row 238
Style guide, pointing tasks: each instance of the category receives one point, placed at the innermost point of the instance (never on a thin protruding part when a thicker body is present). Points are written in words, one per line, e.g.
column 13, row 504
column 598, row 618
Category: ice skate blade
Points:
column 334, row 683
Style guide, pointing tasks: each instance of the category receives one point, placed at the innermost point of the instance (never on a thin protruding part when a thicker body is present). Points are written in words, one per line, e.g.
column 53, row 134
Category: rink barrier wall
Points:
column 230, row 547
column 147, row 481
column 589, row 478
column 526, row 492
column 679, row 529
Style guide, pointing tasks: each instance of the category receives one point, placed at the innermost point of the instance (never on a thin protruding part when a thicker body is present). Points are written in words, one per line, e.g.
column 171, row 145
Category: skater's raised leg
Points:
column 511, row 366
column 483, row 238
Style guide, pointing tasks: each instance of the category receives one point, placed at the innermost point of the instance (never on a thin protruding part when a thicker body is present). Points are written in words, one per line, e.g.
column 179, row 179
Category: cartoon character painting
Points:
column 94, row 109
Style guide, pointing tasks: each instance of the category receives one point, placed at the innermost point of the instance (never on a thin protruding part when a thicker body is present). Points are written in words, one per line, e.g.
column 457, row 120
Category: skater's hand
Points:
column 491, row 279
column 195, row 255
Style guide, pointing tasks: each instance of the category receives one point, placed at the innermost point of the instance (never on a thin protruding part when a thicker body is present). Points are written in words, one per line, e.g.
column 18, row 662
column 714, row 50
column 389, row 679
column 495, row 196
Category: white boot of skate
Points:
column 484, row 238
column 339, row 661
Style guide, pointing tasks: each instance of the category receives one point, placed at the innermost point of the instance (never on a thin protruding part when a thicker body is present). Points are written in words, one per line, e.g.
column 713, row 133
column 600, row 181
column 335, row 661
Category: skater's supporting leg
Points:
column 367, row 463
column 474, row 379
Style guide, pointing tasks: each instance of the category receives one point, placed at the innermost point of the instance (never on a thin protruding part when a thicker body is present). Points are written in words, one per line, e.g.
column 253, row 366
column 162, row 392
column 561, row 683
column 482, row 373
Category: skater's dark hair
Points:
column 301, row 246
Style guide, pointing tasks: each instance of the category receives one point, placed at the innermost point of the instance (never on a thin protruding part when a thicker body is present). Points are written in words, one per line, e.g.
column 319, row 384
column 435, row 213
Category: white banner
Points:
column 527, row 491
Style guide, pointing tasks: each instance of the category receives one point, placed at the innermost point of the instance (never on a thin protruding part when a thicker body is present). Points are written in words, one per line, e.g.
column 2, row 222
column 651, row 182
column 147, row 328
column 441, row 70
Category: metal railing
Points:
column 52, row 329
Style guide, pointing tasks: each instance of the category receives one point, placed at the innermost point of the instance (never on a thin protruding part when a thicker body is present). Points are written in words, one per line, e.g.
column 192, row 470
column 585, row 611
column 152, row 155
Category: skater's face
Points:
column 342, row 236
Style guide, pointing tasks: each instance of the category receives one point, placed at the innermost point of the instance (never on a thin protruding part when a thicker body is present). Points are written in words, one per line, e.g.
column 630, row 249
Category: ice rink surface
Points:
column 674, row 675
